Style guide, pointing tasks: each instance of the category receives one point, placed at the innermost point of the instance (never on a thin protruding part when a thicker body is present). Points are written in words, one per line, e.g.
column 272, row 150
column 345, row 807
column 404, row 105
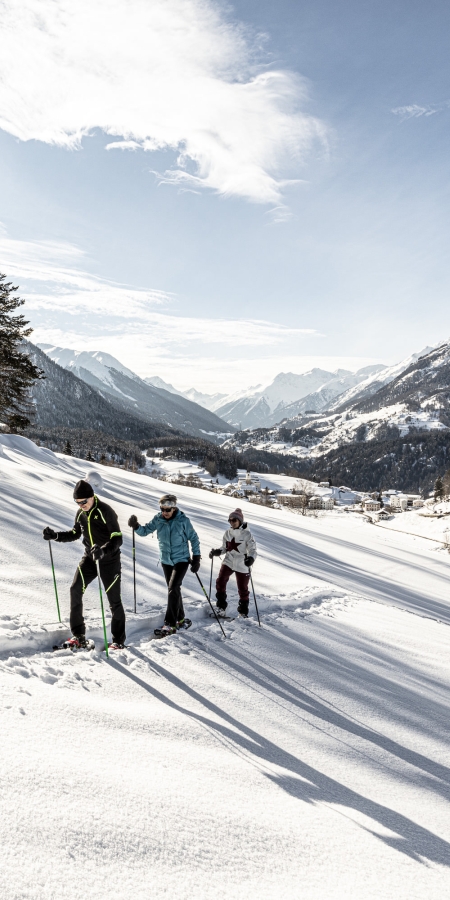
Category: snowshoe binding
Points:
column 165, row 631
column 75, row 644
column 184, row 624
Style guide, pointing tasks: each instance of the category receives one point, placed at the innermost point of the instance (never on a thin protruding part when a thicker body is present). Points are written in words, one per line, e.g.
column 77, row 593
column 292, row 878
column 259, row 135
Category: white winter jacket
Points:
column 236, row 544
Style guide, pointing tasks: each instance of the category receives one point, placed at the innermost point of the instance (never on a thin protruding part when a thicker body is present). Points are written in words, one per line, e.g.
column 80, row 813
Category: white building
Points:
column 371, row 505
column 249, row 484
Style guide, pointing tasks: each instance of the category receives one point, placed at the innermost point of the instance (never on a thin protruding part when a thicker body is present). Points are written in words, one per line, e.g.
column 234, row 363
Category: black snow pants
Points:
column 110, row 575
column 174, row 576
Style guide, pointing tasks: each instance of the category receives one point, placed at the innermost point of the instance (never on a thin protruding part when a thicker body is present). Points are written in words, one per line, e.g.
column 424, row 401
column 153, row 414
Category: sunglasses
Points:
column 82, row 502
column 167, row 508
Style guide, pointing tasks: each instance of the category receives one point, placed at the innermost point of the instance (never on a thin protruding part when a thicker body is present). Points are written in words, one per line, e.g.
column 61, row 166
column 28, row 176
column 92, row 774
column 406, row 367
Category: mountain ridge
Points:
column 133, row 395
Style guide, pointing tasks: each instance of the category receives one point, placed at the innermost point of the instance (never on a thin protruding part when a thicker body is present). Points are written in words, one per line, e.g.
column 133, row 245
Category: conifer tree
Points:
column 68, row 449
column 438, row 489
column 17, row 372
column 89, row 457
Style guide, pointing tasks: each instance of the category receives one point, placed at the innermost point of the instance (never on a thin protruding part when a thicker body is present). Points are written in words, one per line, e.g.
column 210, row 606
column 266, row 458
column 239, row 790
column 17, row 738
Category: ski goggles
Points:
column 166, row 507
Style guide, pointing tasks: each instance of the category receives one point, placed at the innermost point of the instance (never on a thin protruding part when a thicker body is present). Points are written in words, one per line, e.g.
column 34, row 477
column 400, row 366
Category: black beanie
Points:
column 82, row 490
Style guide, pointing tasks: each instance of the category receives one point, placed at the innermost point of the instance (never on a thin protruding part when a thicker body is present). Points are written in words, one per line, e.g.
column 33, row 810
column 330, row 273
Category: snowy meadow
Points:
column 306, row 758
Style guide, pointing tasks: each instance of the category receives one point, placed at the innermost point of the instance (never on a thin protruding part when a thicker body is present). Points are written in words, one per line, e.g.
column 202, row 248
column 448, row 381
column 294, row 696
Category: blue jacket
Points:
column 173, row 536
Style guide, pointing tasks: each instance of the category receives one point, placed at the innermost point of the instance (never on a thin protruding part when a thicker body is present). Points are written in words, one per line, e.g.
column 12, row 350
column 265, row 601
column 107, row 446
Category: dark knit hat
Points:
column 237, row 514
column 82, row 490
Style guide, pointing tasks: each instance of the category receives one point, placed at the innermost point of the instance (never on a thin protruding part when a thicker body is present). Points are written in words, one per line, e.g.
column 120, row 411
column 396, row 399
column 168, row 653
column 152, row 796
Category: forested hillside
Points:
column 409, row 464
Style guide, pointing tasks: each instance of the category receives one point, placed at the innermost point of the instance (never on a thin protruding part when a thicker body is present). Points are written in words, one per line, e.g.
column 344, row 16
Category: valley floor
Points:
column 306, row 758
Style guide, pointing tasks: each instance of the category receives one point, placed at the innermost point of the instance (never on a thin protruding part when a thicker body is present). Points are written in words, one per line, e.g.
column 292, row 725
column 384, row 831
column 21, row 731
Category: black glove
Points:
column 195, row 564
column 249, row 561
column 49, row 535
column 215, row 552
column 97, row 552
column 133, row 523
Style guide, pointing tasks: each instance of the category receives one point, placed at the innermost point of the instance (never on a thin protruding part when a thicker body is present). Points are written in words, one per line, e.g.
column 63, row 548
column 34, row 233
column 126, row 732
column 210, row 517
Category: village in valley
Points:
column 296, row 495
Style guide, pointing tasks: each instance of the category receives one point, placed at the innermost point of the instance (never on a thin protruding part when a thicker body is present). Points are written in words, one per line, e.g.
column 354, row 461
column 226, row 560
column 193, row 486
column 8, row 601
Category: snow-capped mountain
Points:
column 328, row 393
column 411, row 397
column 209, row 401
column 415, row 396
column 133, row 395
column 95, row 361
column 375, row 380
column 288, row 395
column 158, row 382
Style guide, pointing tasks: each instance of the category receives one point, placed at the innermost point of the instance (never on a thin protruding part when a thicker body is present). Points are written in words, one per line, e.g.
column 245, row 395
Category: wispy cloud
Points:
column 162, row 74
column 414, row 111
column 70, row 307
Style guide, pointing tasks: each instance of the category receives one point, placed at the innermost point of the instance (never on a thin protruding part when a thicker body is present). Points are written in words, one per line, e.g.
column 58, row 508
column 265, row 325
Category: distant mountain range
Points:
column 208, row 401
column 134, row 396
column 289, row 395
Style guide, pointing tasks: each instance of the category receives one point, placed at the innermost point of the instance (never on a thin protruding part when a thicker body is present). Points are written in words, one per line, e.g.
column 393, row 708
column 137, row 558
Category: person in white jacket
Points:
column 239, row 547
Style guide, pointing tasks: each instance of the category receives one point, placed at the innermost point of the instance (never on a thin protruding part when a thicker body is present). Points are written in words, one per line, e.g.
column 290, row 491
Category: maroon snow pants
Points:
column 242, row 579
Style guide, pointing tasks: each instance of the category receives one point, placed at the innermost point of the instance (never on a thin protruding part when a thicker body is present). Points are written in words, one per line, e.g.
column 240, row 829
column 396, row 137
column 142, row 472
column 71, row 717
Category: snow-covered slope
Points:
column 306, row 758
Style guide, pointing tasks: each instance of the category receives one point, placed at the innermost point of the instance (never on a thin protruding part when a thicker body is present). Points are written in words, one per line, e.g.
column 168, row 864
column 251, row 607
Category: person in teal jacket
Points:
column 175, row 532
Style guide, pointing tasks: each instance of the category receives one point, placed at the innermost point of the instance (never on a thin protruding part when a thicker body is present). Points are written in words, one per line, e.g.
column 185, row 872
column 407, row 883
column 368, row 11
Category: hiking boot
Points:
column 243, row 609
column 221, row 601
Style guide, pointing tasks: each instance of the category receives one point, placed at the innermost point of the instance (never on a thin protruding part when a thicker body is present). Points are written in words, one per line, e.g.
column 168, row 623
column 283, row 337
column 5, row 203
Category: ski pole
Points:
column 54, row 579
column 134, row 570
column 209, row 601
column 101, row 605
column 210, row 579
column 254, row 595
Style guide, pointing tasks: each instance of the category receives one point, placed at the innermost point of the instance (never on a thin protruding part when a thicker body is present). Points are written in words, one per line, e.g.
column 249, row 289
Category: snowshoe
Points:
column 184, row 623
column 114, row 645
column 220, row 614
column 221, row 611
column 75, row 644
column 165, row 631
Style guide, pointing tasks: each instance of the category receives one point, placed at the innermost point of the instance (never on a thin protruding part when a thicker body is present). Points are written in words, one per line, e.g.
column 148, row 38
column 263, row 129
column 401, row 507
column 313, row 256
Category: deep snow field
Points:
column 308, row 758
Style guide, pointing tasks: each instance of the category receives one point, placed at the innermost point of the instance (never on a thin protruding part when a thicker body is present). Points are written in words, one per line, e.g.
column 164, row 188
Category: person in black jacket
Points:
column 102, row 538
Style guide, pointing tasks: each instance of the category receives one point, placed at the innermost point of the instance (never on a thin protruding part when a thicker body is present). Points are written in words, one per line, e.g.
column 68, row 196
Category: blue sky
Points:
column 306, row 222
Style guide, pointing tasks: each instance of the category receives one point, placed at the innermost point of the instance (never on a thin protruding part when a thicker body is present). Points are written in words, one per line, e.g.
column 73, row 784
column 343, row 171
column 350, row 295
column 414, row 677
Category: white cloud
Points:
column 70, row 307
column 161, row 74
column 414, row 111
